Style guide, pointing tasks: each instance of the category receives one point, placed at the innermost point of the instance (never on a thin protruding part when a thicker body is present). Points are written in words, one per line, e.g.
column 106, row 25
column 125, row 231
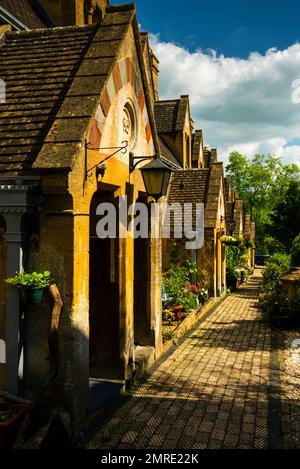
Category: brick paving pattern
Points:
column 212, row 392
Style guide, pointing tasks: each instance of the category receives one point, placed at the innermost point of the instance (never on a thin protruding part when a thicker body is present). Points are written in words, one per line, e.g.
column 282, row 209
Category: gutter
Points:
column 8, row 18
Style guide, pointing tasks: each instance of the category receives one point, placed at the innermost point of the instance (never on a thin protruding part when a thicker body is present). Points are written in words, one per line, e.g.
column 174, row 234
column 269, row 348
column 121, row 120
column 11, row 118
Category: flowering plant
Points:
column 203, row 295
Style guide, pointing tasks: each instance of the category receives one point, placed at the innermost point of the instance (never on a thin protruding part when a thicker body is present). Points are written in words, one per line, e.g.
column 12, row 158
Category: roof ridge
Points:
column 160, row 101
column 121, row 7
column 50, row 31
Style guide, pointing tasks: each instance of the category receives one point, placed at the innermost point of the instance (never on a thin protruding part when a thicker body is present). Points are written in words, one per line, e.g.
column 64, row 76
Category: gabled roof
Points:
column 23, row 12
column 38, row 68
column 166, row 115
column 170, row 114
column 167, row 153
column 188, row 186
column 54, row 82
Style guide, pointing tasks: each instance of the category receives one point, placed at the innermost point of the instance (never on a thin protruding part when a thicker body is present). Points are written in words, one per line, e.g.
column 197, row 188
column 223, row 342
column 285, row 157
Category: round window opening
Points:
column 129, row 125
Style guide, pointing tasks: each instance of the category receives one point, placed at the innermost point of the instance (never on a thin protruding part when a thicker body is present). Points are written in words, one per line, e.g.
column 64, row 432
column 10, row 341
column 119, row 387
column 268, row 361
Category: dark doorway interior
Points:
column 103, row 299
column 143, row 334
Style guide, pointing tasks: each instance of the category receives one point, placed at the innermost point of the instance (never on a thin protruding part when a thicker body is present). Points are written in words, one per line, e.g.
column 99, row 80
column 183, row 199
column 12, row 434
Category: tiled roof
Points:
column 170, row 114
column 47, row 73
column 167, row 153
column 38, row 68
column 22, row 11
column 166, row 115
column 189, row 186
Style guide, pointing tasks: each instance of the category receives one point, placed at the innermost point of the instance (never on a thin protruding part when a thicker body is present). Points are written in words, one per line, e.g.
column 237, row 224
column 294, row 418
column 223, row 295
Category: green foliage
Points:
column 270, row 245
column 228, row 240
column 274, row 302
column 271, row 194
column 294, row 302
column 285, row 218
column 296, row 250
column 33, row 280
column 277, row 266
column 237, row 258
column 175, row 283
column 168, row 334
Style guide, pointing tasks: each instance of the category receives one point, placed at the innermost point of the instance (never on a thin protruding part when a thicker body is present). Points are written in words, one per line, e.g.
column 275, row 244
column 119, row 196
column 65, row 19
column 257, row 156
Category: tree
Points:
column 285, row 217
column 263, row 183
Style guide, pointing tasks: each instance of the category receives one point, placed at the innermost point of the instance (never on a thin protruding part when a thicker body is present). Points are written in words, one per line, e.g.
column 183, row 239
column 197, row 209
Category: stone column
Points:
column 13, row 204
column 14, row 264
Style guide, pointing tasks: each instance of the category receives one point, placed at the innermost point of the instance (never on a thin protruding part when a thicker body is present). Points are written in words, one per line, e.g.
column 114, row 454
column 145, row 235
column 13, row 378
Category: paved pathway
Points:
column 212, row 392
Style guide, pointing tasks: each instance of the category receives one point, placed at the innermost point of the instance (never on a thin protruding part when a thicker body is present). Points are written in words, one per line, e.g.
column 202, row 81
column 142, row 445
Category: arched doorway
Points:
column 104, row 313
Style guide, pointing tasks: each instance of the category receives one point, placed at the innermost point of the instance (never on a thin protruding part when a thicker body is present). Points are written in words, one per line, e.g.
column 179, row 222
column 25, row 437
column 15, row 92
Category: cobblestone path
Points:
column 212, row 392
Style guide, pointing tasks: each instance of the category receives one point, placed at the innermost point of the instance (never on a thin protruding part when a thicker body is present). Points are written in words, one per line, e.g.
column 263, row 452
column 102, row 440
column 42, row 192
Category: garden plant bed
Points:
column 181, row 328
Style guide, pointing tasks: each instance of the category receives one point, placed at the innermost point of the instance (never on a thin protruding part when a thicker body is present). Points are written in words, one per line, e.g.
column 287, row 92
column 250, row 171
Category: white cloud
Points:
column 241, row 104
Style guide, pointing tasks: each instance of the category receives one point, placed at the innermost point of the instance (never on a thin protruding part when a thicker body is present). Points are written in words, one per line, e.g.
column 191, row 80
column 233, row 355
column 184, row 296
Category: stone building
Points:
column 198, row 177
column 238, row 223
column 74, row 95
column 175, row 129
column 205, row 186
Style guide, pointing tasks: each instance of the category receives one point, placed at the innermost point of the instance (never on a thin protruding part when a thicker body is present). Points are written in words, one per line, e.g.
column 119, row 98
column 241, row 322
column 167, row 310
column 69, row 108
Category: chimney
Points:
column 75, row 12
column 214, row 155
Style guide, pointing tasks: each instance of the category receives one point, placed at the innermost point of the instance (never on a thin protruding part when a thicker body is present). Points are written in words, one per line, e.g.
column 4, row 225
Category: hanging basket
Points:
column 229, row 241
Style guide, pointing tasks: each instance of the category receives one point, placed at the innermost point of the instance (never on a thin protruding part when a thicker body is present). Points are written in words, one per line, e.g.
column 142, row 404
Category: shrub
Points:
column 175, row 283
column 274, row 302
column 237, row 261
column 270, row 246
column 294, row 302
column 277, row 266
column 296, row 250
column 168, row 334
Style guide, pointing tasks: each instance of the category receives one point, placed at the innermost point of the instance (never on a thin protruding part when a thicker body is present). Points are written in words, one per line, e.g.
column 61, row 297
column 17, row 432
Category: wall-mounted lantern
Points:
column 156, row 175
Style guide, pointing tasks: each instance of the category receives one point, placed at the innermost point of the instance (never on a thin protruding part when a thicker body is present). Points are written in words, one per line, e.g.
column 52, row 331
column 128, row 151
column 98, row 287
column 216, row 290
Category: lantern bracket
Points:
column 132, row 159
column 122, row 149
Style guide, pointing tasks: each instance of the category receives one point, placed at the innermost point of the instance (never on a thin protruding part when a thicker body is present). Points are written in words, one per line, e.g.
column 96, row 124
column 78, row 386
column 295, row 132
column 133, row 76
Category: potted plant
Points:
column 33, row 284
column 11, row 419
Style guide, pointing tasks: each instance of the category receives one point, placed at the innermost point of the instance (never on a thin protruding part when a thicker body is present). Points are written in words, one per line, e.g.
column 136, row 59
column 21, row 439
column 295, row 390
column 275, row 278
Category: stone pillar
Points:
column 14, row 203
column 156, row 292
column 14, row 264
column 224, row 286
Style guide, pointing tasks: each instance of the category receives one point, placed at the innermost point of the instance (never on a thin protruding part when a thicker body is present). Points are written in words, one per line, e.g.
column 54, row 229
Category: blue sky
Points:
column 239, row 61
column 232, row 27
